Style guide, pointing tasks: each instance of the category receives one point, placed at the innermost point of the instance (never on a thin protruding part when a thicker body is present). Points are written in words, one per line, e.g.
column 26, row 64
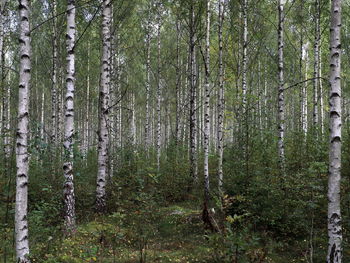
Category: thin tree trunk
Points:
column 103, row 111
column 87, row 114
column 5, row 87
column 304, row 119
column 281, row 107
column 207, row 110
column 158, row 90
column 321, row 94
column 148, row 80
column 22, row 157
column 316, row 62
column 68, row 187
column 220, row 106
column 42, row 116
column 244, row 57
column 178, row 83
column 193, row 110
column 54, row 76
column 334, row 216
column 133, row 120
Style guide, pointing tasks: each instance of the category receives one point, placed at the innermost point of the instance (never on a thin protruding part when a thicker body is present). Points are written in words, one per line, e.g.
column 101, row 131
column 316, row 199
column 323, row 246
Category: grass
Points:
column 166, row 234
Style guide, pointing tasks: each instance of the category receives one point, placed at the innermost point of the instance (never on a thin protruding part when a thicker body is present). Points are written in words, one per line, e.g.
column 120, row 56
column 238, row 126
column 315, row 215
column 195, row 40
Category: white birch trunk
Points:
column 133, row 119
column 5, row 114
column 304, row 118
column 42, row 116
column 193, row 110
column 321, row 95
column 334, row 216
column 281, row 107
column 54, row 122
column 148, row 79
column 177, row 84
column 103, row 138
column 87, row 114
column 158, row 92
column 316, row 62
column 207, row 110
column 22, row 157
column 69, row 130
column 244, row 58
column 220, row 106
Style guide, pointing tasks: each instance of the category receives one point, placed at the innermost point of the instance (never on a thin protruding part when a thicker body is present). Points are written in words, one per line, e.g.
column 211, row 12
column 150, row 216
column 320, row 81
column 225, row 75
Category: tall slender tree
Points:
column 148, row 81
column 281, row 107
column 334, row 216
column 68, row 186
column 220, row 105
column 316, row 62
column 207, row 110
column 54, row 74
column 22, row 157
column 158, row 85
column 193, row 92
column 103, row 138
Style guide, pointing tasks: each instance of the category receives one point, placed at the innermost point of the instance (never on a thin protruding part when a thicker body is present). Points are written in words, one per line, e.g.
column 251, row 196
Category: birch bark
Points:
column 68, row 186
column 54, row 122
column 22, row 157
column 316, row 62
column 281, row 107
column 103, row 138
column 148, row 79
column 334, row 216
column 158, row 89
column 207, row 109
column 193, row 110
column 220, row 106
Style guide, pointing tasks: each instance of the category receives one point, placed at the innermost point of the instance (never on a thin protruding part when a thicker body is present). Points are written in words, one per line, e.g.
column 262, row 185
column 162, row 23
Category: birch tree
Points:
column 148, row 80
column 334, row 216
column 158, row 87
column 281, row 106
column 220, row 106
column 177, row 83
column 6, row 90
column 68, row 186
column 316, row 62
column 22, row 157
column 54, row 74
column 304, row 119
column 103, row 138
column 193, row 97
column 207, row 109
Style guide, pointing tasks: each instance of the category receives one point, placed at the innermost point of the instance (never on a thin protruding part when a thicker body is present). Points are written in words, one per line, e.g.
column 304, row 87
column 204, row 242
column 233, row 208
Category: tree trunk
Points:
column 304, row 121
column 178, row 83
column 42, row 117
column 68, row 187
column 321, row 94
column 334, row 217
column 103, row 111
column 148, row 80
column 87, row 114
column 207, row 110
column 281, row 107
column 54, row 122
column 220, row 106
column 22, row 157
column 316, row 62
column 6, row 91
column 158, row 89
column 193, row 110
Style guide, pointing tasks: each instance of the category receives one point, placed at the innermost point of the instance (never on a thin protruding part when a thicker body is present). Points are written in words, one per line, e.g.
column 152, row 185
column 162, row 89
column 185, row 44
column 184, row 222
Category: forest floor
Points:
column 167, row 234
